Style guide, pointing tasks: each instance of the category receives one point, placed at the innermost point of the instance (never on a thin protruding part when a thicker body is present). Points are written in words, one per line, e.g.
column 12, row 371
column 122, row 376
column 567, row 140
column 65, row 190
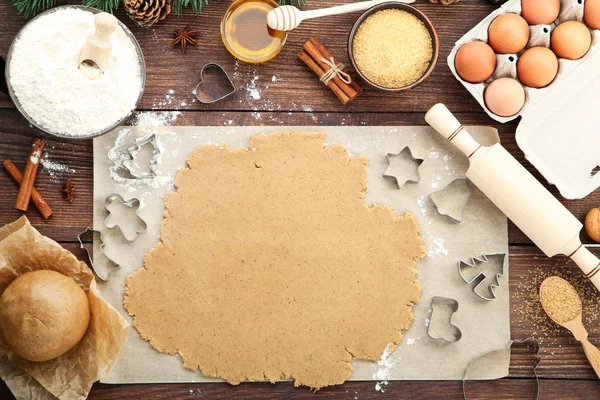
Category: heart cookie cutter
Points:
column 87, row 236
column 215, row 84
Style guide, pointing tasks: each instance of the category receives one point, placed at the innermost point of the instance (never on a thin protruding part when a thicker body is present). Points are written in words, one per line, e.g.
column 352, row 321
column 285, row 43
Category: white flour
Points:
column 52, row 90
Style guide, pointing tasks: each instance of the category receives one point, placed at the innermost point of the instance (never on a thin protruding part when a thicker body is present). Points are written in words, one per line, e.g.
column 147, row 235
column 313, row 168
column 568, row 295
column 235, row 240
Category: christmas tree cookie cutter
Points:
column 400, row 174
column 135, row 150
column 480, row 280
column 440, row 325
column 448, row 202
column 129, row 230
column 87, row 236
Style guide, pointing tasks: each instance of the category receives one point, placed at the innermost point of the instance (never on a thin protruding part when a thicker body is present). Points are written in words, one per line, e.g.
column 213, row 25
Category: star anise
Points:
column 183, row 37
column 68, row 190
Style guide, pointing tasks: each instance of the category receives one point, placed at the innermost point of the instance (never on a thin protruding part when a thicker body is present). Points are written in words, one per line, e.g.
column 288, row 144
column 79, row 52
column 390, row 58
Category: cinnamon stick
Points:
column 323, row 50
column 316, row 55
column 312, row 64
column 28, row 178
column 37, row 199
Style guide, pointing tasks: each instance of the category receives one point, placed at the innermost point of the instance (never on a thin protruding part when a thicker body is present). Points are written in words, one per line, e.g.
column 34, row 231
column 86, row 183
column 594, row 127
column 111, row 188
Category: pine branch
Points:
column 104, row 5
column 179, row 5
column 29, row 8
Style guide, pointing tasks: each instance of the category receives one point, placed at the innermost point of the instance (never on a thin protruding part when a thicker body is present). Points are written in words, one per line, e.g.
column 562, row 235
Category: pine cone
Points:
column 147, row 12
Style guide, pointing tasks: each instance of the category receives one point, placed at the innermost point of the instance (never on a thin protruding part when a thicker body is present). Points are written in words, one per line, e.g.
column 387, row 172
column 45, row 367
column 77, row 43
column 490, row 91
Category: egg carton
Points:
column 559, row 123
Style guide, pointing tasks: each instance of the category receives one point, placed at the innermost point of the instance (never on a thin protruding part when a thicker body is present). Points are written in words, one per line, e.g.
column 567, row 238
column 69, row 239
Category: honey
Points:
column 245, row 32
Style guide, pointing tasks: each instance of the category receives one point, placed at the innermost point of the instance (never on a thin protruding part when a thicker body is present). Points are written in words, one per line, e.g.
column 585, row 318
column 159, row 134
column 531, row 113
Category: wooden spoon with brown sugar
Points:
column 562, row 303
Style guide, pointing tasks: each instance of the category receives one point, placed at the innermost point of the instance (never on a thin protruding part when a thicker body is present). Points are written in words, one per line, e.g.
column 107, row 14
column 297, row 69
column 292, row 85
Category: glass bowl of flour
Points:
column 52, row 92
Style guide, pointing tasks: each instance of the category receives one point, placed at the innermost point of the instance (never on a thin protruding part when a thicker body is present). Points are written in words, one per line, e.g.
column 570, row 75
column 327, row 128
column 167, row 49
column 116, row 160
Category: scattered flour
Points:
column 51, row 88
column 157, row 118
column 55, row 170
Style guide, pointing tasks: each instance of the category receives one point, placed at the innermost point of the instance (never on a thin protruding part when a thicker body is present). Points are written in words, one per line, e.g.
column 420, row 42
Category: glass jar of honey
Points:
column 245, row 32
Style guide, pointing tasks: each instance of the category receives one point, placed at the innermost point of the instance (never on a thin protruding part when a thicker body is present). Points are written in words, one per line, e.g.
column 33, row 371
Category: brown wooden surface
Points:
column 296, row 98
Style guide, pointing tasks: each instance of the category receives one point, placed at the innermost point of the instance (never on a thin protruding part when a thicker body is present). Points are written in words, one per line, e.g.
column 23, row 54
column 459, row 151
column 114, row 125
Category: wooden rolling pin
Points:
column 518, row 195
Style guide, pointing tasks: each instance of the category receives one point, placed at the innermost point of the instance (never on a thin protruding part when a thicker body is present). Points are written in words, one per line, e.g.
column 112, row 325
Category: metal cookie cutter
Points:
column 447, row 203
column 471, row 370
column 112, row 222
column 151, row 139
column 481, row 278
column 440, row 320
column 399, row 173
column 215, row 84
column 87, row 236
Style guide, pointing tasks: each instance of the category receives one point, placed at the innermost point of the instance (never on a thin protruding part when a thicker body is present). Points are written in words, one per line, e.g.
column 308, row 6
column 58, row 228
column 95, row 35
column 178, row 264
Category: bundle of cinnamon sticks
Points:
column 319, row 60
column 25, row 181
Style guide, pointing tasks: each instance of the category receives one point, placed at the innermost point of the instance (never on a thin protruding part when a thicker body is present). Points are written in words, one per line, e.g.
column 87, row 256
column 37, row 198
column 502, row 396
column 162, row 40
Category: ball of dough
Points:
column 43, row 314
column 508, row 34
column 475, row 61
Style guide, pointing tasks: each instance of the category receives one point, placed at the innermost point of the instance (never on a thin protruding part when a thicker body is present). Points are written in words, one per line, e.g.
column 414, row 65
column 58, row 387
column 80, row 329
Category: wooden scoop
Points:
column 561, row 301
column 286, row 18
column 97, row 48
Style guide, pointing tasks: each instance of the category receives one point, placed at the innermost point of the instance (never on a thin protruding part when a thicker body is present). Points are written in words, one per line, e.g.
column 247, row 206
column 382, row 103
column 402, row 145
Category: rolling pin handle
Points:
column 589, row 264
column 442, row 120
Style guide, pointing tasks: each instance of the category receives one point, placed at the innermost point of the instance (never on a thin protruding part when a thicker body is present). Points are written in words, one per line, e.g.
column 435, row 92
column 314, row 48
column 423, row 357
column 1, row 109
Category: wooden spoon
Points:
column 562, row 303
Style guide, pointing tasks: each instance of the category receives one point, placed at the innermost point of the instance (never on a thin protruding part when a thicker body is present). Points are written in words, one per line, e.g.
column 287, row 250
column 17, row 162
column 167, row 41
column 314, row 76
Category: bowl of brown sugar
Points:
column 393, row 46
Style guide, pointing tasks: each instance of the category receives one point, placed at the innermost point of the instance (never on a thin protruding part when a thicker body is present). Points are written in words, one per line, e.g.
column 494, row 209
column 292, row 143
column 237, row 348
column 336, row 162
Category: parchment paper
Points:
column 70, row 376
column 485, row 325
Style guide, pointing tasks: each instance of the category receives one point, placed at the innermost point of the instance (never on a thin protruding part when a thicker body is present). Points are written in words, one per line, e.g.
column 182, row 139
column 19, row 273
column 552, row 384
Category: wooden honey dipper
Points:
column 286, row 18
column 97, row 47
column 520, row 196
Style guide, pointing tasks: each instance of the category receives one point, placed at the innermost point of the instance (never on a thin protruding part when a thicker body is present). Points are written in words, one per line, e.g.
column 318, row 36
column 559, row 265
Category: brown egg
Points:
column 508, row 33
column 591, row 13
column 537, row 67
column 571, row 40
column 475, row 61
column 538, row 12
column 504, row 97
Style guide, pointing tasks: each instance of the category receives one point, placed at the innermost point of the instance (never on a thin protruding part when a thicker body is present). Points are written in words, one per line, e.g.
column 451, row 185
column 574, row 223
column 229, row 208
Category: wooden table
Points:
column 291, row 95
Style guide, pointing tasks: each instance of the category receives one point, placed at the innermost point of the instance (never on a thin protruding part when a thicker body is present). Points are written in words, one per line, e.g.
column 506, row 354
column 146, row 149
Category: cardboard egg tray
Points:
column 506, row 64
column 558, row 131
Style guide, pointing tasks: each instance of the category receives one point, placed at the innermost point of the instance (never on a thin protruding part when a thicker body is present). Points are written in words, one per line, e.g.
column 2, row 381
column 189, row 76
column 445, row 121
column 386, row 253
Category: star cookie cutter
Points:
column 445, row 201
column 215, row 84
column 447, row 331
column 113, row 222
column 87, row 236
column 470, row 369
column 480, row 278
column 405, row 153
column 135, row 150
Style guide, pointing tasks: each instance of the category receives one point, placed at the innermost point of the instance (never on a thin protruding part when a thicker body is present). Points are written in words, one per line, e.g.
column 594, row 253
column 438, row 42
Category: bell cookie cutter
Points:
column 481, row 278
column 87, row 236
column 506, row 349
column 110, row 221
column 449, row 332
column 456, row 215
column 215, row 84
column 405, row 153
column 150, row 139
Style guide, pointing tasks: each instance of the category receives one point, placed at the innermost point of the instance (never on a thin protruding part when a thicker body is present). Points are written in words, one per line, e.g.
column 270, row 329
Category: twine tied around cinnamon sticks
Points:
column 333, row 74
column 336, row 70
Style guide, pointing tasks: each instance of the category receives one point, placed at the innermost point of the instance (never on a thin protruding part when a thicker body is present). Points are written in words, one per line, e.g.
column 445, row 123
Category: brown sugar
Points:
column 560, row 299
column 392, row 48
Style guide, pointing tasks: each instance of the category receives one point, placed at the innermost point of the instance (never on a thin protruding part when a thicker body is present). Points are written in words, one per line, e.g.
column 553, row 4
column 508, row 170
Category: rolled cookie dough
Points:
column 270, row 265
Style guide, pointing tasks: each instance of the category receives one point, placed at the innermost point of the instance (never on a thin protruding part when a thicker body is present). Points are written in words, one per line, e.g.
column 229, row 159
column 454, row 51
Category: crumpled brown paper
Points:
column 70, row 376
